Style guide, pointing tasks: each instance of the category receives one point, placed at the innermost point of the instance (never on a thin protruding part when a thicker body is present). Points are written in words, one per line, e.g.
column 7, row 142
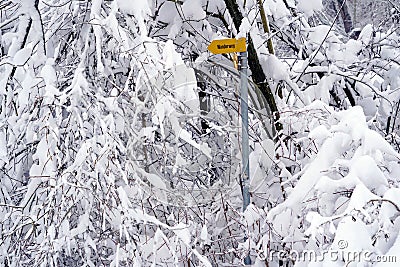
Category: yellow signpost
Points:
column 225, row 46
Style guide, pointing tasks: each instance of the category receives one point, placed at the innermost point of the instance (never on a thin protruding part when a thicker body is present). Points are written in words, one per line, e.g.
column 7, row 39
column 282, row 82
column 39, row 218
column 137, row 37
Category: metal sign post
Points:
column 244, row 111
column 234, row 46
column 245, row 129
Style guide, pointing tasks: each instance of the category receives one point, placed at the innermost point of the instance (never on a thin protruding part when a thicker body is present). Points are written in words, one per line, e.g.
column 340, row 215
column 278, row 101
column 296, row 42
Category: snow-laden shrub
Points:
column 343, row 195
column 105, row 161
column 72, row 193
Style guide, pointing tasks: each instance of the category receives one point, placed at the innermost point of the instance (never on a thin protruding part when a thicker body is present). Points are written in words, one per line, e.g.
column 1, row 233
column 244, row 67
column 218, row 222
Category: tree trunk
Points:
column 346, row 17
column 265, row 23
column 257, row 72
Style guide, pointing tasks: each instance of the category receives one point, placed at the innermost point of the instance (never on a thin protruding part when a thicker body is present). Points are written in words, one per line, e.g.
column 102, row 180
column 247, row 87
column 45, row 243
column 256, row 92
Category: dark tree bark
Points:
column 204, row 106
column 346, row 17
column 257, row 72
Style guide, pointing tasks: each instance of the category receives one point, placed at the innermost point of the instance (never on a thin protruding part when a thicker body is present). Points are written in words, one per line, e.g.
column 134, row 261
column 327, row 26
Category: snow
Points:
column 361, row 196
column 193, row 10
column 170, row 56
column 3, row 147
column 48, row 72
column 251, row 215
column 139, row 9
column 276, row 8
column 308, row 7
column 275, row 69
column 186, row 136
column 185, row 84
column 162, row 110
column 104, row 153
column 331, row 147
column 370, row 107
column 318, row 33
column 260, row 161
column 391, row 255
column 204, row 233
column 320, row 133
column 366, row 34
column 315, row 220
column 125, row 203
column 352, row 236
column 22, row 56
column 373, row 142
column 156, row 181
column 44, row 167
column 354, row 117
column 244, row 28
column 368, row 182
column 81, row 156
column 370, row 175
column 353, row 48
column 175, row 29
column 390, row 202
column 183, row 232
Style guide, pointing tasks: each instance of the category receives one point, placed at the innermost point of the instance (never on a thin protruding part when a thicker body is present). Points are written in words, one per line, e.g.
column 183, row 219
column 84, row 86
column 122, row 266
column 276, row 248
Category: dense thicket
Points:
column 120, row 133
